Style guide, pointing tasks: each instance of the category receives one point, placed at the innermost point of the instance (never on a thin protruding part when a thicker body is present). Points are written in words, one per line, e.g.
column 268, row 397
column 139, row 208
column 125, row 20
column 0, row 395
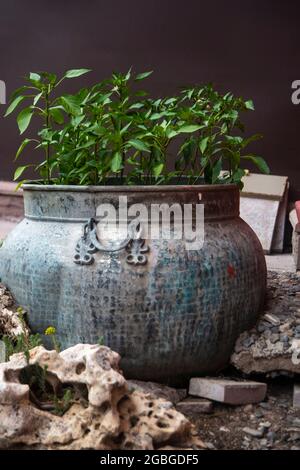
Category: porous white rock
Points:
column 10, row 323
column 107, row 415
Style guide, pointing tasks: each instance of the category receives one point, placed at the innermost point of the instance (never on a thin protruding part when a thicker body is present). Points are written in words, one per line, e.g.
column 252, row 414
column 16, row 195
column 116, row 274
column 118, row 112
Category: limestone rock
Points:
column 103, row 414
column 10, row 323
column 158, row 390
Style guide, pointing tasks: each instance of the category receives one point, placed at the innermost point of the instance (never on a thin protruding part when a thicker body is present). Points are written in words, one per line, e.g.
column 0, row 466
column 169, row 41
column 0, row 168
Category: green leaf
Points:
column 237, row 177
column 22, row 146
column 20, row 90
column 141, row 93
column 76, row 73
column 20, row 184
column 216, row 171
column 189, row 128
column 170, row 101
column 157, row 169
column 128, row 74
column 203, row 144
column 143, row 75
column 259, row 162
column 171, row 133
column 19, row 171
column 124, row 129
column 70, row 105
column 57, row 115
column 116, row 162
column 37, row 97
column 249, row 105
column 14, row 104
column 139, row 145
column 234, row 140
column 157, row 115
column 250, row 139
column 35, row 77
column 137, row 106
column 24, row 118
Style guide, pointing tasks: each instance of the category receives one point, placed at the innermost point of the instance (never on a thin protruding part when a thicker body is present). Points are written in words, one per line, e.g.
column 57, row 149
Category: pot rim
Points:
column 130, row 189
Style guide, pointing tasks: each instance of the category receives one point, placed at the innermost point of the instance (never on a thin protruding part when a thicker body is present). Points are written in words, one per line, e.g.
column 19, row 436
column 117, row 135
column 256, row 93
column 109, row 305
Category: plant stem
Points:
column 48, row 145
column 96, row 153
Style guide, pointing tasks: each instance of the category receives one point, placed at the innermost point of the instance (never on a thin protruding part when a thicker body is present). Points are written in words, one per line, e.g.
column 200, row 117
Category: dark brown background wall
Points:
column 250, row 47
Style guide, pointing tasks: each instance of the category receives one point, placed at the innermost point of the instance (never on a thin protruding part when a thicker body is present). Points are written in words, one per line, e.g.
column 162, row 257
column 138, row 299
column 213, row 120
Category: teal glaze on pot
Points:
column 169, row 312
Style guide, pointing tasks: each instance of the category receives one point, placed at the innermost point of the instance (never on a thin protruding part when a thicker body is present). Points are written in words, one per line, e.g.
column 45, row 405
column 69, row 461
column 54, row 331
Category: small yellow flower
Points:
column 20, row 312
column 50, row 330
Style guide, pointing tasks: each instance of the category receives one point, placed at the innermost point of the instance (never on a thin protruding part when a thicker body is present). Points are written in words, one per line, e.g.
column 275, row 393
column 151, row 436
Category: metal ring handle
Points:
column 89, row 244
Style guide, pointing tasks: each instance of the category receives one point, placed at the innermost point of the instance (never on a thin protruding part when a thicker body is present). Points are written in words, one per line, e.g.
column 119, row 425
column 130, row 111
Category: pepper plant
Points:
column 114, row 129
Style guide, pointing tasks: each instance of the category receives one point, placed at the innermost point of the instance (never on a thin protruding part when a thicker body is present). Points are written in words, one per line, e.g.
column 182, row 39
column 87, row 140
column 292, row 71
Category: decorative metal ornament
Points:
column 89, row 244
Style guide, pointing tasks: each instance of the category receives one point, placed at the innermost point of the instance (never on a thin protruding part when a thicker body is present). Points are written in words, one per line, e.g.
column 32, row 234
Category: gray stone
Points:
column 272, row 319
column 295, row 422
column 274, row 329
column 264, row 424
column 267, row 333
column 2, row 352
column 248, row 408
column 271, row 436
column 274, row 338
column 284, row 338
column 263, row 442
column 261, row 328
column 248, row 342
column 265, row 405
column 254, row 432
column 296, row 396
column 192, row 406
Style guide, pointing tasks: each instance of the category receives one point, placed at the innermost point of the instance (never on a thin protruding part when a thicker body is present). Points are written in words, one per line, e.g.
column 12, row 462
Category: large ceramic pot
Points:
column 170, row 312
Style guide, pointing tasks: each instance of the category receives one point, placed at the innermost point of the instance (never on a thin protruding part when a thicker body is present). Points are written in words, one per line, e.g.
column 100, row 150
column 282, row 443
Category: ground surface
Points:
column 275, row 419
column 274, row 423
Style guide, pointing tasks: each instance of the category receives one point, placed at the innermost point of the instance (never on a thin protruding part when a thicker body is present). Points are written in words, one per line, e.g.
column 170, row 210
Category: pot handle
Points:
column 90, row 244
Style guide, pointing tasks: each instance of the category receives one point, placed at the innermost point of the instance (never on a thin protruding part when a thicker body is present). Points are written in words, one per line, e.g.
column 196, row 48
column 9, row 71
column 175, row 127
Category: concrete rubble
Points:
column 273, row 345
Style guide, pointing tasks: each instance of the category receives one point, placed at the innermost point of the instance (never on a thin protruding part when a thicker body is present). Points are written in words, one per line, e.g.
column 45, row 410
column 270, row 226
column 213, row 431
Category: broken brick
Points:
column 228, row 391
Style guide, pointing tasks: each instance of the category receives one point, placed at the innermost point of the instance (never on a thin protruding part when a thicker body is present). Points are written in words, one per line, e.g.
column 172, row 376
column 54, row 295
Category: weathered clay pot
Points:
column 170, row 313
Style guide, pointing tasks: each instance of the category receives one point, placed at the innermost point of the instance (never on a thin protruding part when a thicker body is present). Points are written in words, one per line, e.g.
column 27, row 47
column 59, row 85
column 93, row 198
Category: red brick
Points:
column 228, row 391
